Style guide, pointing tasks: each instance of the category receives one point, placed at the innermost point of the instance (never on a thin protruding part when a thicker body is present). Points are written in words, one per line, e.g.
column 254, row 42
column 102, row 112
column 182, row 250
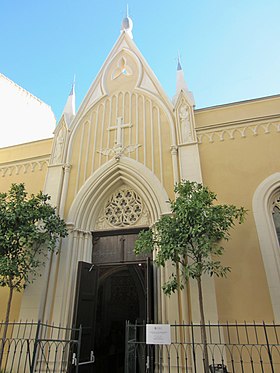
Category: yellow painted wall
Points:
column 25, row 163
column 233, row 166
column 24, row 151
column 267, row 107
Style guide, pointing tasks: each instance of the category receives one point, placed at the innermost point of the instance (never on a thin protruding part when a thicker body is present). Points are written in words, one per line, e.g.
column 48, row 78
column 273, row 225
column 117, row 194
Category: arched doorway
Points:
column 121, row 297
column 114, row 288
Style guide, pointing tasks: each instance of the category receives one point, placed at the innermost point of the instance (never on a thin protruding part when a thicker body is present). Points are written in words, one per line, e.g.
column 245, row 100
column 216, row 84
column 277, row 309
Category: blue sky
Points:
column 230, row 49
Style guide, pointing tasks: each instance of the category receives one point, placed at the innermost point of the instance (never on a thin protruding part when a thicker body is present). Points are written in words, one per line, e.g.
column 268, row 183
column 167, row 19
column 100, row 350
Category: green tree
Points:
column 29, row 229
column 191, row 239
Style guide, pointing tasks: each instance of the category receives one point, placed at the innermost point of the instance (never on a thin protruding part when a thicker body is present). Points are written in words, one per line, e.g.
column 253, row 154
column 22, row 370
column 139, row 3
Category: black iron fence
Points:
column 230, row 348
column 28, row 347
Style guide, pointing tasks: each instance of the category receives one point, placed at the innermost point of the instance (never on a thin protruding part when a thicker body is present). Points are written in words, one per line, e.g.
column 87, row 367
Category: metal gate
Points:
column 29, row 347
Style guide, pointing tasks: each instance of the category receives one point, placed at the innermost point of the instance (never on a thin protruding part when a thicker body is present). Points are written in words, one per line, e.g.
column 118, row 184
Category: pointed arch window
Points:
column 276, row 215
column 266, row 209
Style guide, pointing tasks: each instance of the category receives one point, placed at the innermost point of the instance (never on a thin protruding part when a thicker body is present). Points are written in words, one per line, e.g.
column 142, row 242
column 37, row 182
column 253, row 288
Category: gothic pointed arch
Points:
column 265, row 199
column 113, row 176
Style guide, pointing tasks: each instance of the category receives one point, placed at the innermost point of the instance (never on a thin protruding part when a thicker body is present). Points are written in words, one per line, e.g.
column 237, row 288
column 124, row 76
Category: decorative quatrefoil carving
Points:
column 122, row 69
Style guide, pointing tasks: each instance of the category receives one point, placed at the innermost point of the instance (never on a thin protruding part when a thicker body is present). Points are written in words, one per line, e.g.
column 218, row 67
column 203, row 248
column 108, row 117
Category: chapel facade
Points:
column 110, row 170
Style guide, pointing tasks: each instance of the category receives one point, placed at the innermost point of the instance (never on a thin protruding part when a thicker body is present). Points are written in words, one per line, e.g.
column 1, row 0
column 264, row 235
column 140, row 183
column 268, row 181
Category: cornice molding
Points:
column 267, row 118
column 23, row 167
column 236, row 130
column 239, row 103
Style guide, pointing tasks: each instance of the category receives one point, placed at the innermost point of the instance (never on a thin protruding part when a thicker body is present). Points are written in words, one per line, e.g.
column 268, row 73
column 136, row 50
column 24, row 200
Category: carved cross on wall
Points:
column 118, row 149
column 119, row 127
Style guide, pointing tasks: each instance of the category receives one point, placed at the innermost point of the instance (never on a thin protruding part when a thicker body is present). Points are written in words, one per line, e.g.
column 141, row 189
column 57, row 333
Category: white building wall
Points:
column 23, row 117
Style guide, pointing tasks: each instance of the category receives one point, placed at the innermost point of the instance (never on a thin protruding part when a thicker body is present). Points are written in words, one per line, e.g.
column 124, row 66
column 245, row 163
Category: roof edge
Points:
column 238, row 102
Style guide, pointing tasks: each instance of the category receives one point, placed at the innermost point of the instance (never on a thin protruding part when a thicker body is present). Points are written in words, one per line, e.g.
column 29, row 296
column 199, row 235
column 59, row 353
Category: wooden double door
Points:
column 116, row 287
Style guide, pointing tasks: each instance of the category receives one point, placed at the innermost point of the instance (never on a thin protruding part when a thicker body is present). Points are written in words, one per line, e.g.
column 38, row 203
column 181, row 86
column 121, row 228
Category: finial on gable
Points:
column 179, row 66
column 127, row 24
column 181, row 84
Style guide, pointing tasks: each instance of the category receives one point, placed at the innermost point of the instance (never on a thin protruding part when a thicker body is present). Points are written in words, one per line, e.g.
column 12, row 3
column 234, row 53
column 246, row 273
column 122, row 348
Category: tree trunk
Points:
column 5, row 329
column 203, row 326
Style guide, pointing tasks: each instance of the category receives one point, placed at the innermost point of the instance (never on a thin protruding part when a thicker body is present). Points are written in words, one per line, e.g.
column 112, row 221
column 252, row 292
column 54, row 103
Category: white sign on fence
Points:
column 158, row 334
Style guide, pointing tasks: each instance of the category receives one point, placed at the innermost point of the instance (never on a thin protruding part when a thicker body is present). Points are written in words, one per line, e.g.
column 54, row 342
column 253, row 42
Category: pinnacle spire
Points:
column 70, row 106
column 180, row 79
column 179, row 66
column 181, row 84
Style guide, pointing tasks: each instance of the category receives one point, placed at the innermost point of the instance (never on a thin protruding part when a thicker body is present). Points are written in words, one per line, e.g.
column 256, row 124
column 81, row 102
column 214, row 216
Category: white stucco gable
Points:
column 147, row 80
column 23, row 117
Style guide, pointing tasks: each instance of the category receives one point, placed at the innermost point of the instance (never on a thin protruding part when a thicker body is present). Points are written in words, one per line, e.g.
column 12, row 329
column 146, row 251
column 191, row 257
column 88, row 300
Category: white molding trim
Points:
column 86, row 206
column 116, row 57
column 25, row 167
column 235, row 131
column 269, row 245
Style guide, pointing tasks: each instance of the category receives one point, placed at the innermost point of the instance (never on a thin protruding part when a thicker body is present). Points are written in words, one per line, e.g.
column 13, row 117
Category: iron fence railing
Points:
column 231, row 348
column 29, row 347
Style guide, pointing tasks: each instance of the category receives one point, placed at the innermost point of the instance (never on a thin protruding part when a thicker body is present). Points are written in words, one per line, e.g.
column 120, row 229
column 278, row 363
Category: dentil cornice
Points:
column 23, row 167
column 236, row 131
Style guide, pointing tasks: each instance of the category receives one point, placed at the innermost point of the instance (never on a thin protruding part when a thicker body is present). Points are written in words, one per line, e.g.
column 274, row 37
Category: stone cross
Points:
column 118, row 149
column 119, row 127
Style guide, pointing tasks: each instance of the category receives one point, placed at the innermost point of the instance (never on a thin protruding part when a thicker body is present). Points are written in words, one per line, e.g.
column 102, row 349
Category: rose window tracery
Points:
column 124, row 208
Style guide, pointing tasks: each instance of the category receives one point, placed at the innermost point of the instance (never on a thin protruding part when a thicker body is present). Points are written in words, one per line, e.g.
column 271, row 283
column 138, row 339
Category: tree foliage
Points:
column 29, row 228
column 192, row 235
column 191, row 238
